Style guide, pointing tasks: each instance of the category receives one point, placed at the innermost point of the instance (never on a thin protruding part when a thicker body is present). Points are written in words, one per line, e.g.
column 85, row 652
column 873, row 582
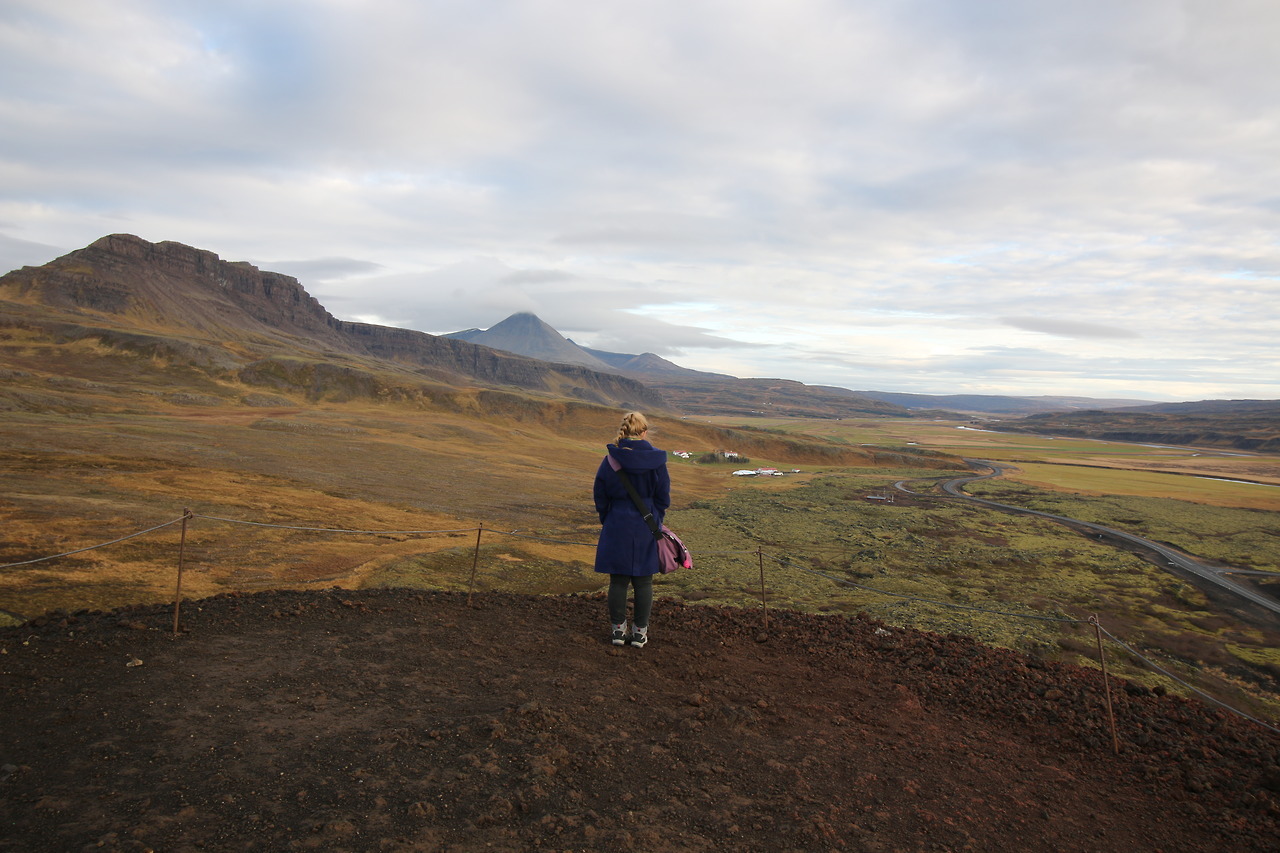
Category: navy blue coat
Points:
column 627, row 546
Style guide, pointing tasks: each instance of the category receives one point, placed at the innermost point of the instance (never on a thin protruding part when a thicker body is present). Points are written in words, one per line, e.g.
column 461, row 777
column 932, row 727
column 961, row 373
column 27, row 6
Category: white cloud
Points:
column 1067, row 328
column 905, row 195
column 324, row 269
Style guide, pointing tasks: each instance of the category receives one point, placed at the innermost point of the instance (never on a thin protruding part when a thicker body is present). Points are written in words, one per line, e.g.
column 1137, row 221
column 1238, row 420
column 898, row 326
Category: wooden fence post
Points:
column 1106, row 683
column 764, row 605
column 475, row 561
column 182, row 549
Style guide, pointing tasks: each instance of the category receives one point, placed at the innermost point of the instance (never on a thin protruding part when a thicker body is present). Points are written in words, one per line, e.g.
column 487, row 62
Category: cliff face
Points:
column 171, row 295
column 167, row 285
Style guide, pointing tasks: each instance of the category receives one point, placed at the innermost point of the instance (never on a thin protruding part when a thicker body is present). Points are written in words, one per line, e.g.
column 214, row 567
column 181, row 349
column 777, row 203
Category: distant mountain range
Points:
column 181, row 307
column 526, row 334
column 996, row 404
column 688, row 391
column 700, row 392
column 1244, row 424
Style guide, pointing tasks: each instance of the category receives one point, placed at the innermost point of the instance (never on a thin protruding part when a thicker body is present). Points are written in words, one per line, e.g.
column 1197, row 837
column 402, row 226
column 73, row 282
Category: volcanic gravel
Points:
column 398, row 720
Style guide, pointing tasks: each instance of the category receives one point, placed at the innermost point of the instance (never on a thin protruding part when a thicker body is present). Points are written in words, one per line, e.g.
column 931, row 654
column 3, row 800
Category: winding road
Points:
column 1173, row 558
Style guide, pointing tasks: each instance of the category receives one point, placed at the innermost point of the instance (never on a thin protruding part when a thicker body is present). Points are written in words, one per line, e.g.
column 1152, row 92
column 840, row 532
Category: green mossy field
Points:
column 1245, row 538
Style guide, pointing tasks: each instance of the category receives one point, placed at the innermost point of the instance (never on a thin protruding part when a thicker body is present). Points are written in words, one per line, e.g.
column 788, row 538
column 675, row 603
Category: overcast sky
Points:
column 987, row 196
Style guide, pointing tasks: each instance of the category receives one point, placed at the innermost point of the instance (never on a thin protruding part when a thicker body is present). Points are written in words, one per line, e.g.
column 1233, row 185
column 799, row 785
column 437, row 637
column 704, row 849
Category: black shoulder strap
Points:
column 636, row 499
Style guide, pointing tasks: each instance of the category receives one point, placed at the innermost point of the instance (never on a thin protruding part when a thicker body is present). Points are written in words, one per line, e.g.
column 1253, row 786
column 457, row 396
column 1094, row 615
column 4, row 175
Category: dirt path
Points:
column 406, row 721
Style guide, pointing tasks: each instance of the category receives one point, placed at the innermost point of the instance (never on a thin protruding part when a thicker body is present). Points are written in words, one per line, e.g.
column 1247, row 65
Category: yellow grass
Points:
column 1117, row 481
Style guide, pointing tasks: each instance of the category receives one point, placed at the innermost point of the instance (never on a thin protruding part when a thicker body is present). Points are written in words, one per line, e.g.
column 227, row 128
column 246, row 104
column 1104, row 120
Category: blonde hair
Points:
column 633, row 425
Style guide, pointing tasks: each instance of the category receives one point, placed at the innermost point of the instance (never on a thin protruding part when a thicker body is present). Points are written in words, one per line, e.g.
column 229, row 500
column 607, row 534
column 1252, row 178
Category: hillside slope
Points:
column 238, row 324
column 768, row 397
column 1247, row 425
column 406, row 721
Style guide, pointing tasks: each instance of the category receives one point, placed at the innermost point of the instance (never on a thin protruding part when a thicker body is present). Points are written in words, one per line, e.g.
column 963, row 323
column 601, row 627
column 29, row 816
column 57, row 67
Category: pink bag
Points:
column 672, row 553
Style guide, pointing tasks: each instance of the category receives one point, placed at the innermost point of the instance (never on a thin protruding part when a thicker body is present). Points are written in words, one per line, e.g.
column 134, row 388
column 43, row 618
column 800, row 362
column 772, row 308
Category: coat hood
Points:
column 638, row 455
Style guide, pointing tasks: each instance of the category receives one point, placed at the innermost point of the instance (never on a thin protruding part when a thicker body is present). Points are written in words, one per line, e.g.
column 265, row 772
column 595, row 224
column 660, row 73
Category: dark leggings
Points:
column 618, row 599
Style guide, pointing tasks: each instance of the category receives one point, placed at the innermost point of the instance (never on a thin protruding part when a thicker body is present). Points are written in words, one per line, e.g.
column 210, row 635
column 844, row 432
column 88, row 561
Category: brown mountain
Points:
column 236, row 324
column 1238, row 424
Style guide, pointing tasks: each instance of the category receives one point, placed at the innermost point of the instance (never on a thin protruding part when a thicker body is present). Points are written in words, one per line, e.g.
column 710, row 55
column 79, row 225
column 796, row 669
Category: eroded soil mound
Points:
column 401, row 720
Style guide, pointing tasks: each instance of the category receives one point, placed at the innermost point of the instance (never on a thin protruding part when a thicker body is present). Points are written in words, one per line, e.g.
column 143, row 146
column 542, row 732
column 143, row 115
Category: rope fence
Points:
column 1158, row 668
column 188, row 516
column 94, row 547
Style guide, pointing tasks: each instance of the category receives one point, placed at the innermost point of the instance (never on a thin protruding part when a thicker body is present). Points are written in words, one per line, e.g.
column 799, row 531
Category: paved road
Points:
column 1173, row 558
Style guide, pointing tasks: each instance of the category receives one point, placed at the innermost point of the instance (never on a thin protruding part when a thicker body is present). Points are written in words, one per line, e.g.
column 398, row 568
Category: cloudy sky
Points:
column 988, row 196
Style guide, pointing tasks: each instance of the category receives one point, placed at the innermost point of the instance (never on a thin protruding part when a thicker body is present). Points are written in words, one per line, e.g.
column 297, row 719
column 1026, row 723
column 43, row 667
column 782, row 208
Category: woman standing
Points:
column 627, row 551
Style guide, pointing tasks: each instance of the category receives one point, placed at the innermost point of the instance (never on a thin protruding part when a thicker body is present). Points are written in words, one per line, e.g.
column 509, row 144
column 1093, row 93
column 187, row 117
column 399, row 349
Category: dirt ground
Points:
column 408, row 721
